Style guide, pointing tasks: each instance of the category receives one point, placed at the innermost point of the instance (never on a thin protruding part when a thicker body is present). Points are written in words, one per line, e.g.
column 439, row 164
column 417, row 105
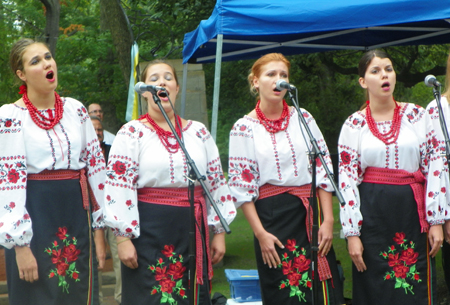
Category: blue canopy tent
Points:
column 244, row 29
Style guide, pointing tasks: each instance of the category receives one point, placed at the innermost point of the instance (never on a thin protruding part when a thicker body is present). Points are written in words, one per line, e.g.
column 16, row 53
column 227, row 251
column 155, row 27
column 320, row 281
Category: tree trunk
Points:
column 113, row 17
column 53, row 9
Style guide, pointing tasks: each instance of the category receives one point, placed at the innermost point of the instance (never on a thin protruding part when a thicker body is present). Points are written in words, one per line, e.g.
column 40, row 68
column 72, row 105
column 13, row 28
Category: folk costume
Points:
column 51, row 181
column 389, row 176
column 433, row 111
column 269, row 165
column 146, row 200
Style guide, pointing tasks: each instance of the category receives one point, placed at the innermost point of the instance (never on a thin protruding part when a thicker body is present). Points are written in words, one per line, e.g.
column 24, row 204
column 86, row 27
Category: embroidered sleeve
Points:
column 350, row 175
column 121, row 211
column 15, row 222
column 217, row 186
column 435, row 168
column 93, row 157
column 323, row 180
column 243, row 171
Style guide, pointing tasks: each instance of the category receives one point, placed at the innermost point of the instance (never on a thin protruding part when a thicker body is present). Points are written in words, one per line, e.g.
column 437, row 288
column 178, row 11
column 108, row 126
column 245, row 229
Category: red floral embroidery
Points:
column 296, row 271
column 169, row 277
column 247, row 176
column 119, row 168
column 64, row 259
column 402, row 262
column 345, row 157
column 13, row 176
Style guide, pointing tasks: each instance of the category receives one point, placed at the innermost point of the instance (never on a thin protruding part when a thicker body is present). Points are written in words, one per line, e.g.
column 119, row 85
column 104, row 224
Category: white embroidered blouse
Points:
column 27, row 149
column 416, row 148
column 257, row 157
column 138, row 159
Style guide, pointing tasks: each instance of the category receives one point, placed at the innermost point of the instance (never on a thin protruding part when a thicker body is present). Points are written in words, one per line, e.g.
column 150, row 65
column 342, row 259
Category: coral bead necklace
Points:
column 276, row 125
column 391, row 135
column 39, row 118
column 167, row 138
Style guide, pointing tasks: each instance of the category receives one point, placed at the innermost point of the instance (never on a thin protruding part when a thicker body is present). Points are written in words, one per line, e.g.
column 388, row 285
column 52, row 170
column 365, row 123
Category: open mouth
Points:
column 276, row 90
column 385, row 85
column 162, row 94
column 50, row 75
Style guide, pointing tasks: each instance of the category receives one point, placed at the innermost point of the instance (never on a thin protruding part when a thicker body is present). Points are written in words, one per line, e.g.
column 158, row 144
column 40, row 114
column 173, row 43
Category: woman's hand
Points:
column 435, row 237
column 355, row 249
column 217, row 248
column 26, row 263
column 325, row 237
column 267, row 243
column 127, row 252
column 100, row 247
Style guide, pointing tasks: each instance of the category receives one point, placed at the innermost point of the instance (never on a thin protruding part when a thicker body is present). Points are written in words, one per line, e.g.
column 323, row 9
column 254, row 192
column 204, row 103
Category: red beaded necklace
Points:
column 391, row 135
column 166, row 137
column 274, row 126
column 39, row 118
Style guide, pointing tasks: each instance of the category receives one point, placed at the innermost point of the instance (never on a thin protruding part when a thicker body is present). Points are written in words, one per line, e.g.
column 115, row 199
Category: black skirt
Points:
column 163, row 259
column 399, row 269
column 63, row 246
column 284, row 216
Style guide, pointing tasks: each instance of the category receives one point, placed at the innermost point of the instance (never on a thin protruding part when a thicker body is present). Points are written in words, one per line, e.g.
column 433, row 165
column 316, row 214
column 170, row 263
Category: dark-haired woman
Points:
column 51, row 168
column 389, row 174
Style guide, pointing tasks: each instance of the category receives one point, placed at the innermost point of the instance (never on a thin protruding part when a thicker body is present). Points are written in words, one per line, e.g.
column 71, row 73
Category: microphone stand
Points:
column 194, row 175
column 313, row 155
column 437, row 96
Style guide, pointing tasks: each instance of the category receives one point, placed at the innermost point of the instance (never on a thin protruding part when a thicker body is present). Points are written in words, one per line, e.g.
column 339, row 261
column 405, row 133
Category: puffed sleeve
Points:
column 435, row 167
column 350, row 175
column 121, row 211
column 15, row 222
column 217, row 186
column 243, row 171
column 92, row 156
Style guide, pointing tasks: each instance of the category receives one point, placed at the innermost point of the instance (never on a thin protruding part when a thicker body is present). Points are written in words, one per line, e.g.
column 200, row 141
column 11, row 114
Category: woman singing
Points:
column 51, row 182
column 270, row 178
column 147, row 204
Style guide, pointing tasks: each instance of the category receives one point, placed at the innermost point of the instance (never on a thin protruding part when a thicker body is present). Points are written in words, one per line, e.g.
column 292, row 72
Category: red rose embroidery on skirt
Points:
column 402, row 259
column 64, row 259
column 296, row 270
column 169, row 276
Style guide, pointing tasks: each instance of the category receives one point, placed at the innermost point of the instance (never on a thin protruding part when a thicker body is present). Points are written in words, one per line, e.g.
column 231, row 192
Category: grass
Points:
column 240, row 254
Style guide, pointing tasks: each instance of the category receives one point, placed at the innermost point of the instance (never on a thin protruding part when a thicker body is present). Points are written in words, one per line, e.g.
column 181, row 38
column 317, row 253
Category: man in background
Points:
column 96, row 110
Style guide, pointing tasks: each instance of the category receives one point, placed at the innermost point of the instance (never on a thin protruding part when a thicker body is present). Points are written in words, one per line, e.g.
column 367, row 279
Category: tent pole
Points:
column 215, row 109
column 183, row 91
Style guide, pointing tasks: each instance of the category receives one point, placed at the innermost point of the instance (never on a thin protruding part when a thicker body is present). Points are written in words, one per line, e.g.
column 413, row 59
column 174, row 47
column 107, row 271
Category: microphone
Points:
column 142, row 87
column 430, row 81
column 282, row 84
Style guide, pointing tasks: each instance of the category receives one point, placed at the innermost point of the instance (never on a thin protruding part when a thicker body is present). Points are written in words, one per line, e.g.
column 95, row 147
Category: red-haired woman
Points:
column 270, row 179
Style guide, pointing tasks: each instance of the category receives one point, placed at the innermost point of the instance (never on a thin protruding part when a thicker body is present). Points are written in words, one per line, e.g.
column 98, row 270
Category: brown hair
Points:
column 257, row 66
column 366, row 59
column 364, row 63
column 156, row 62
column 16, row 55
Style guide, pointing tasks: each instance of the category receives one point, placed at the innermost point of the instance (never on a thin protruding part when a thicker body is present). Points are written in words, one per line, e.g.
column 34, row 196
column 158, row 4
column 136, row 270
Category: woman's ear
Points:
column 362, row 82
column 21, row 75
